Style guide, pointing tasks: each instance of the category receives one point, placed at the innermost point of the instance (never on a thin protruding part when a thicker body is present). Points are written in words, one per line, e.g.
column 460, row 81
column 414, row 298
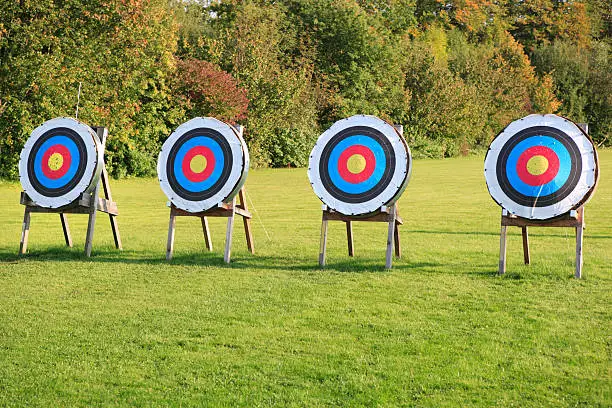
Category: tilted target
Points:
column 541, row 166
column 203, row 163
column 61, row 160
column 359, row 165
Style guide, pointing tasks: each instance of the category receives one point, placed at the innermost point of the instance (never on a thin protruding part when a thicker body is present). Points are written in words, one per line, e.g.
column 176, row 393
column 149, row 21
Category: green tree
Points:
column 583, row 80
column 121, row 52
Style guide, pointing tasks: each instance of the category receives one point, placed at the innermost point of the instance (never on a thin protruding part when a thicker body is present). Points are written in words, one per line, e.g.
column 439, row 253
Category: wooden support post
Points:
column 206, row 232
column 66, row 230
column 171, row 228
column 323, row 241
column 229, row 232
column 102, row 132
column 246, row 221
column 579, row 239
column 349, row 238
column 398, row 247
column 390, row 237
column 112, row 217
column 502, row 250
column 25, row 232
column 91, row 223
column 526, row 256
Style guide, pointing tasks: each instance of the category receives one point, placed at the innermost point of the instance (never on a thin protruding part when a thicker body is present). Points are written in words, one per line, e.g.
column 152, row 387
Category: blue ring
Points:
column 370, row 182
column 74, row 162
column 565, row 166
column 214, row 176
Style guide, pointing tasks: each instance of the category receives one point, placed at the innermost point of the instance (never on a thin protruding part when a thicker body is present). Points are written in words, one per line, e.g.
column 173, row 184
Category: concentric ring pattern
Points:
column 541, row 166
column 203, row 163
column 359, row 165
column 61, row 160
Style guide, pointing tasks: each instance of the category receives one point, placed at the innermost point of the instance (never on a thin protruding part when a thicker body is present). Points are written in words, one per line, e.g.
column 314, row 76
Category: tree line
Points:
column 454, row 73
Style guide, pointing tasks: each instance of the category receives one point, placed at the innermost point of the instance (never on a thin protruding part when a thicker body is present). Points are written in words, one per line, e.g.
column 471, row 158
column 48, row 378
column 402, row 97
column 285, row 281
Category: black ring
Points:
column 60, row 191
column 563, row 191
column 387, row 174
column 215, row 188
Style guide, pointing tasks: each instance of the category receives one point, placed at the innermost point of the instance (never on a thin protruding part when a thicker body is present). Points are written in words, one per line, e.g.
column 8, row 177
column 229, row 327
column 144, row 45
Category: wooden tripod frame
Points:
column 389, row 215
column 573, row 219
column 229, row 210
column 88, row 203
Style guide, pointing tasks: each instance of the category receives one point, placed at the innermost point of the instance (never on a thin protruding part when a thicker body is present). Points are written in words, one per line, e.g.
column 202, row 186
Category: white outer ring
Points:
column 585, row 185
column 401, row 173
column 238, row 173
column 92, row 169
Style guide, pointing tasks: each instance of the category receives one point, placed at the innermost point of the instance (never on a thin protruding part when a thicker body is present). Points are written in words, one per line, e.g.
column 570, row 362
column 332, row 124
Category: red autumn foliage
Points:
column 210, row 91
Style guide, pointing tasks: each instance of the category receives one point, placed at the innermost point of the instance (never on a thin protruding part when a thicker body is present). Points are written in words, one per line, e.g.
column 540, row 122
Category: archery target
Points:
column 203, row 163
column 359, row 165
column 541, row 166
column 61, row 160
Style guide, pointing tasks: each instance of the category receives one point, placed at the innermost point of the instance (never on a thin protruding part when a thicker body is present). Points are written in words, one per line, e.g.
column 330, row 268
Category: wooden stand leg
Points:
column 349, row 238
column 390, row 238
column 66, row 229
column 526, row 256
column 91, row 224
column 228, row 235
column 502, row 250
column 398, row 247
column 247, row 222
column 323, row 242
column 102, row 132
column 579, row 238
column 170, row 245
column 206, row 232
column 112, row 218
column 249, row 234
column 115, row 229
column 25, row 232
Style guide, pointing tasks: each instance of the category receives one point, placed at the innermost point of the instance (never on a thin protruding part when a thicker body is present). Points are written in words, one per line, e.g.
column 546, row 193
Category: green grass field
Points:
column 440, row 329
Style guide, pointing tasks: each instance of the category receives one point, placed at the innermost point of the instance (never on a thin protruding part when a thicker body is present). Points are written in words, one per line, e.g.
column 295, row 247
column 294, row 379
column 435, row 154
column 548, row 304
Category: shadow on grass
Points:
column 246, row 261
column 213, row 259
column 511, row 231
column 434, row 232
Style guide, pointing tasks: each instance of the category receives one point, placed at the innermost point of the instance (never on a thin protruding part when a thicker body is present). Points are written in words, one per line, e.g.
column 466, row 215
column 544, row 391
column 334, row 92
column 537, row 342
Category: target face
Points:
column 541, row 166
column 61, row 160
column 203, row 163
column 359, row 164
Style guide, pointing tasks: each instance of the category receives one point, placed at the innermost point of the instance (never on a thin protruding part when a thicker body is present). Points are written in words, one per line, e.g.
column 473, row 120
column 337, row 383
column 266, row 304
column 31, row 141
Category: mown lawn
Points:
column 440, row 329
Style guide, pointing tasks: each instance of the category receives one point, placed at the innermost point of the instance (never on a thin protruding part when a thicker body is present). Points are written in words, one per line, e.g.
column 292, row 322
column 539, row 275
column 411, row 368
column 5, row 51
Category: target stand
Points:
column 573, row 219
column 552, row 195
column 202, row 169
column 359, row 168
column 228, row 210
column 87, row 203
column 390, row 215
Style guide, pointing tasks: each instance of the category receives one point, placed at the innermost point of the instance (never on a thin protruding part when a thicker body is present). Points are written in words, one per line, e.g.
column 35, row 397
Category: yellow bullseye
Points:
column 537, row 165
column 55, row 161
column 198, row 163
column 356, row 163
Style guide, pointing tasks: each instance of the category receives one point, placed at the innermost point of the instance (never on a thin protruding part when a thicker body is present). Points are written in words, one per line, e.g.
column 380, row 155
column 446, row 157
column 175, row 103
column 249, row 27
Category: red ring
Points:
column 66, row 160
column 210, row 163
column 540, row 179
column 365, row 174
